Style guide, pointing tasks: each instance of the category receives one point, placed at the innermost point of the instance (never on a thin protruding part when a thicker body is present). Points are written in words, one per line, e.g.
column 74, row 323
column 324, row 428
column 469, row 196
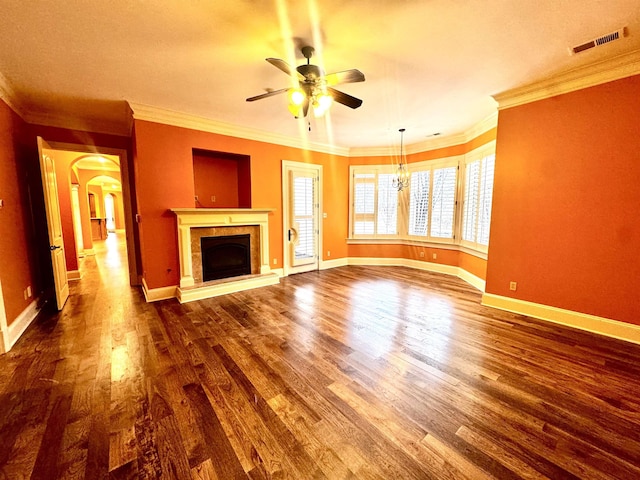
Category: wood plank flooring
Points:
column 349, row 373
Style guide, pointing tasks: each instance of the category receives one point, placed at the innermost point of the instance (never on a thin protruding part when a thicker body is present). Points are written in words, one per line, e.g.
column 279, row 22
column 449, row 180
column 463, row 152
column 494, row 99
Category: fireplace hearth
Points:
column 225, row 256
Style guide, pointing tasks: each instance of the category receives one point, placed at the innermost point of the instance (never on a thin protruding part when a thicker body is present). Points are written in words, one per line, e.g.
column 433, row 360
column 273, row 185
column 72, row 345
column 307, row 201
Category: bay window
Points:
column 448, row 201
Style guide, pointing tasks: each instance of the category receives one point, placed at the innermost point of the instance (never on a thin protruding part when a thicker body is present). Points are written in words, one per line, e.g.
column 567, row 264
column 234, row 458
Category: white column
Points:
column 77, row 222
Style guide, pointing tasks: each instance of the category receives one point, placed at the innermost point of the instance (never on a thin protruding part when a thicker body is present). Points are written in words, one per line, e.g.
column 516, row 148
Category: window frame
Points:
column 376, row 170
column 476, row 155
column 404, row 204
column 432, row 166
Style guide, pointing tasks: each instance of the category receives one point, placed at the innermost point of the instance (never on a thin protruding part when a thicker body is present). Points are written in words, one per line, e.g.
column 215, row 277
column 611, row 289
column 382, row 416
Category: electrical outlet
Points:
column 328, row 253
column 275, row 261
column 29, row 291
column 421, row 254
column 513, row 286
column 213, row 198
column 435, row 255
column 196, row 198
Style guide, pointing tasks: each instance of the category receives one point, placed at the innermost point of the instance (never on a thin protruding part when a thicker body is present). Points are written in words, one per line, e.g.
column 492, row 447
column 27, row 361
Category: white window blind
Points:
column 303, row 196
column 375, row 204
column 471, row 194
column 478, row 194
column 419, row 203
column 387, row 223
column 443, row 204
column 432, row 202
column 486, row 197
column 364, row 204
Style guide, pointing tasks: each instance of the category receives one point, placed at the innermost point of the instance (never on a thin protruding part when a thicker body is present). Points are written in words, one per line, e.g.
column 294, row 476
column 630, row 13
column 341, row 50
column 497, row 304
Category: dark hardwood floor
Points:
column 354, row 372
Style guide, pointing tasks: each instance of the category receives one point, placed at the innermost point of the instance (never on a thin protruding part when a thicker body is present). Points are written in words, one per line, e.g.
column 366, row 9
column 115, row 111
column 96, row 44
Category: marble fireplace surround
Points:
column 193, row 223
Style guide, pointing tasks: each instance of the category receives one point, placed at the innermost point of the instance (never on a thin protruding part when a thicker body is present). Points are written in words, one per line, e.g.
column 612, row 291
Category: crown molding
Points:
column 8, row 95
column 433, row 143
column 179, row 119
column 74, row 123
column 608, row 70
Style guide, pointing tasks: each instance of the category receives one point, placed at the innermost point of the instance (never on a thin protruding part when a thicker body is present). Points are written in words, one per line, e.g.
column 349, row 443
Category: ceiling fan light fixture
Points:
column 321, row 104
column 296, row 96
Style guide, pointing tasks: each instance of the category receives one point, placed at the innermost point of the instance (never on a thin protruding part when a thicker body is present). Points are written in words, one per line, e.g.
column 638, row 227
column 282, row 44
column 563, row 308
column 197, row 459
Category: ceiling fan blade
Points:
column 284, row 66
column 344, row 98
column 268, row 94
column 348, row 76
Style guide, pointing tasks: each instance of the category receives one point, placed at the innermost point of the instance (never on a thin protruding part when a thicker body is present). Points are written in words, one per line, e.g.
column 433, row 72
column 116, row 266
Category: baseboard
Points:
column 333, row 263
column 89, row 251
column 582, row 321
column 471, row 279
column 156, row 294
column 74, row 275
column 20, row 324
column 188, row 295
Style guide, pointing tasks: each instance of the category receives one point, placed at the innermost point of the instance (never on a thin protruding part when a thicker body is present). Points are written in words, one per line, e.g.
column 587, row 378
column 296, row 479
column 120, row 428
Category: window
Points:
column 375, row 203
column 478, row 193
column 432, row 202
column 439, row 206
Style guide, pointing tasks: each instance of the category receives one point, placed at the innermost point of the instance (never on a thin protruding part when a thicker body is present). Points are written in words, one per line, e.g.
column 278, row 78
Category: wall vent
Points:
column 596, row 42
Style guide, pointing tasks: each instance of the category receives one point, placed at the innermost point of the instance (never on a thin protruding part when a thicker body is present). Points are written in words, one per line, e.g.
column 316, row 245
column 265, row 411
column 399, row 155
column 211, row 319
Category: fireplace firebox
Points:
column 225, row 256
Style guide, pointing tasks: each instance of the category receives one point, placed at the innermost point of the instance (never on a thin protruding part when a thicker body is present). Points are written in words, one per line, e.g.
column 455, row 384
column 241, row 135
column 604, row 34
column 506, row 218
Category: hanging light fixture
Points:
column 401, row 177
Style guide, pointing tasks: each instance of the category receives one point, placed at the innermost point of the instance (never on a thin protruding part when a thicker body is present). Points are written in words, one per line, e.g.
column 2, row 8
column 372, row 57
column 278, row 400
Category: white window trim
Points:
column 472, row 156
column 377, row 169
column 403, row 237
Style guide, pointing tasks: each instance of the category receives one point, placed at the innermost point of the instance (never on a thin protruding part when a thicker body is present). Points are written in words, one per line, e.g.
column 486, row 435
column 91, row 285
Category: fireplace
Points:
column 225, row 256
column 197, row 223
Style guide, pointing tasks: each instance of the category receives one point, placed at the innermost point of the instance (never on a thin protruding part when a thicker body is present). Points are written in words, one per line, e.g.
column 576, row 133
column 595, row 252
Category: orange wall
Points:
column 218, row 177
column 17, row 258
column 565, row 222
column 163, row 162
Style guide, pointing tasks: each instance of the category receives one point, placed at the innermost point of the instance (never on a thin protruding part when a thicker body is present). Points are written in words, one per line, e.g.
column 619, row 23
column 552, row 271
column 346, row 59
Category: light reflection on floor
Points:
column 385, row 313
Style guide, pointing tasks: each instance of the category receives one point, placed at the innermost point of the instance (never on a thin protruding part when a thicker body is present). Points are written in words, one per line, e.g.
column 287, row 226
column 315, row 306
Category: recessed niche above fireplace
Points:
column 221, row 180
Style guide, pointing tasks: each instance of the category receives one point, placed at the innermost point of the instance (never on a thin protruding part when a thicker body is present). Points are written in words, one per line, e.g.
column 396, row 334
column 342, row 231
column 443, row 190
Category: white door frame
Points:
column 286, row 202
column 135, row 277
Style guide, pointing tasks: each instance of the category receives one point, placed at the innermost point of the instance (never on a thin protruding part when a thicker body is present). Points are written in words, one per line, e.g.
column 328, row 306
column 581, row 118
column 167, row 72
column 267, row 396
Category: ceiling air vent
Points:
column 609, row 37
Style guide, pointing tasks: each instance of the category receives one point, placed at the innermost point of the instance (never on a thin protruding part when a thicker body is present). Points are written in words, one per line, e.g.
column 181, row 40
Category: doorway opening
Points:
column 95, row 201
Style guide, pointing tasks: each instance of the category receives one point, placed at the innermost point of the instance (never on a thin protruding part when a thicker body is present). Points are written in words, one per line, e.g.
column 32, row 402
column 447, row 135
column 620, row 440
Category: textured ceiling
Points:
column 430, row 66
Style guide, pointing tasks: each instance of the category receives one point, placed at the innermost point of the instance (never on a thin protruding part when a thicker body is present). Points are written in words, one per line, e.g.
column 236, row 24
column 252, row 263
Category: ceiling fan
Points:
column 315, row 89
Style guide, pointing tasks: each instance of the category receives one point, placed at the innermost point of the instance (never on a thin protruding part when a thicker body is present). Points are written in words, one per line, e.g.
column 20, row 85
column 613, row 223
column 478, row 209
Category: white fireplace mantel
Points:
column 188, row 218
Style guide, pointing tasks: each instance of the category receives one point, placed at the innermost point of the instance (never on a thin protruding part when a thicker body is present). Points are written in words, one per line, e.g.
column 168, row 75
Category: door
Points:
column 302, row 187
column 54, row 224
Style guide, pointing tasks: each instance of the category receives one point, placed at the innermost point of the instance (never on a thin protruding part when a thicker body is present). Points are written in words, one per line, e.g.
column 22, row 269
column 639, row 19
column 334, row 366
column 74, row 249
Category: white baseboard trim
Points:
column 89, row 251
column 155, row 294
column 190, row 294
column 582, row 321
column 20, row 324
column 74, row 275
column 333, row 263
column 471, row 279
